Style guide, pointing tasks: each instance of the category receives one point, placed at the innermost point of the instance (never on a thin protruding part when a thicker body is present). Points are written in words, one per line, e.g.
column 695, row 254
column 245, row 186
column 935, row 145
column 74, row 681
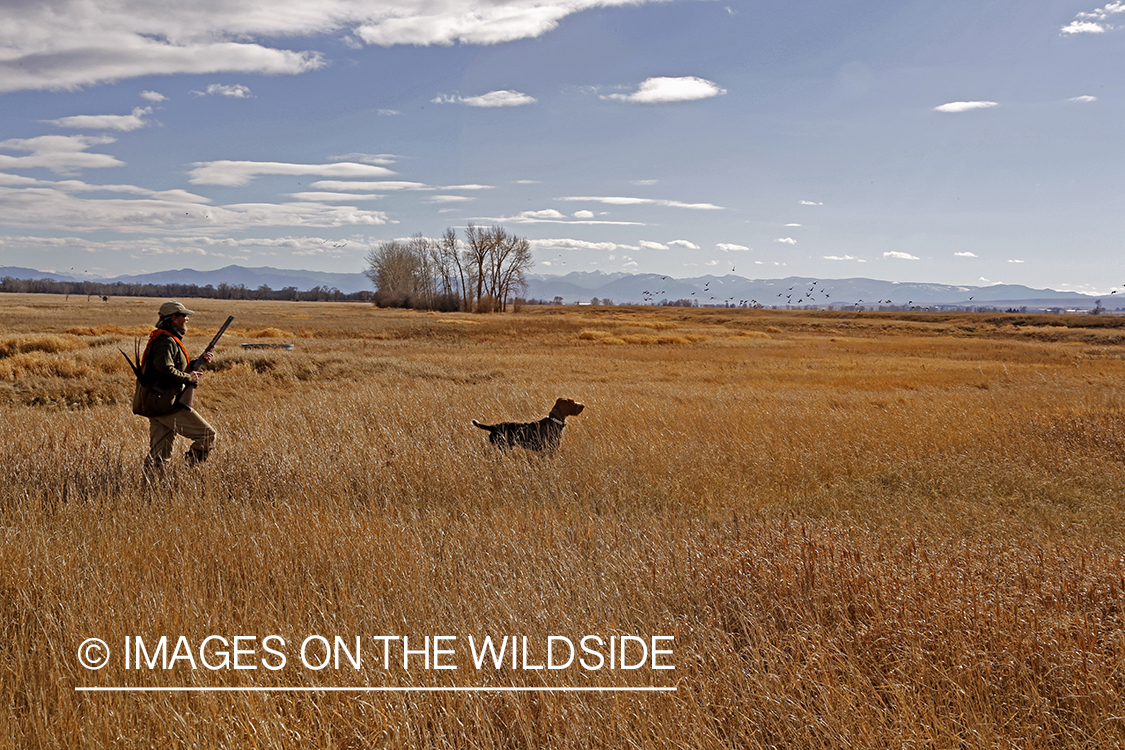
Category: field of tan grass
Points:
column 861, row 530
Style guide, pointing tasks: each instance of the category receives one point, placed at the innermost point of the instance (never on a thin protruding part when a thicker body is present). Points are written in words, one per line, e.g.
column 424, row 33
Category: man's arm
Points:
column 165, row 365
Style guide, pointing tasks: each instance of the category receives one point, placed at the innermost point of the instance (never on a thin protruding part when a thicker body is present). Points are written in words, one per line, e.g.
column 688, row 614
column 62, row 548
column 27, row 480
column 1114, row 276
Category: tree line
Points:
column 481, row 273
column 93, row 289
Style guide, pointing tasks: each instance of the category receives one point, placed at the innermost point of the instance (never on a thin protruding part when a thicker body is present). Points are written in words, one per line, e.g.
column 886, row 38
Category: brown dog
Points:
column 543, row 435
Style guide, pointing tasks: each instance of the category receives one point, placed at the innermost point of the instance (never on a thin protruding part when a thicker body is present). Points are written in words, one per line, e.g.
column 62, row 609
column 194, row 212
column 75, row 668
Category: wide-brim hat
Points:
column 168, row 309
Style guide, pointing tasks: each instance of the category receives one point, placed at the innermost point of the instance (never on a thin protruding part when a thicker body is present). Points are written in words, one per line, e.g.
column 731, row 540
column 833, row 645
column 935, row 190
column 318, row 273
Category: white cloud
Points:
column 362, row 189
column 1083, row 27
column 467, row 187
column 727, row 247
column 811, row 203
column 1015, row 261
column 240, row 173
column 106, row 122
column 900, row 256
column 328, row 197
column 619, row 201
column 209, row 246
column 426, row 22
column 1083, row 99
column 70, row 60
column 786, row 240
column 645, row 182
column 551, row 216
column 59, row 153
column 367, row 185
column 1106, row 11
column 236, row 91
column 506, row 98
column 362, row 158
column 684, row 244
column 569, row 244
column 389, row 112
column 652, row 245
column 78, row 186
column 965, row 254
column 57, row 208
column 663, row 89
column 1094, row 21
column 839, row 257
column 12, row 179
column 153, row 96
column 963, row 106
column 792, row 225
column 583, row 214
column 100, row 42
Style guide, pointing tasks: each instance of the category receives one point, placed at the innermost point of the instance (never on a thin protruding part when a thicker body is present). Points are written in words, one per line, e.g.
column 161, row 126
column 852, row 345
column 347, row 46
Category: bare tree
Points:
column 420, row 272
column 424, row 270
column 452, row 261
column 512, row 261
column 483, row 275
column 476, row 255
column 392, row 270
column 499, row 262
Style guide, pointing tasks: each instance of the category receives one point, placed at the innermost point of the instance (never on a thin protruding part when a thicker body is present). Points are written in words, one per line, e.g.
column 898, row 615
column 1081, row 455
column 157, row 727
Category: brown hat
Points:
column 168, row 309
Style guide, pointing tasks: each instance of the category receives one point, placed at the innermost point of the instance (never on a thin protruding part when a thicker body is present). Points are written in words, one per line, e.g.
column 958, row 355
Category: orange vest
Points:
column 155, row 335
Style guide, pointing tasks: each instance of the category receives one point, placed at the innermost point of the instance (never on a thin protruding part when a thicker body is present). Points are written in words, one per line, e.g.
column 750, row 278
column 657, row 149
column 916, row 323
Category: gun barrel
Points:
column 219, row 335
column 199, row 361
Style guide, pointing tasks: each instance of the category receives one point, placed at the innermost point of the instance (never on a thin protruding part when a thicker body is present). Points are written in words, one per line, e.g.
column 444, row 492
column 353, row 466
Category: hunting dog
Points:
column 543, row 435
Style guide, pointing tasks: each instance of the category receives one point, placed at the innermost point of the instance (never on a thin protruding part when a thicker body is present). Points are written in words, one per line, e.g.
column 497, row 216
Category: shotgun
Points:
column 188, row 396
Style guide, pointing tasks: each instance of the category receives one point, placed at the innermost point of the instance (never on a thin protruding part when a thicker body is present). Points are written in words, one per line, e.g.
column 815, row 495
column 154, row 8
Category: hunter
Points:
column 165, row 365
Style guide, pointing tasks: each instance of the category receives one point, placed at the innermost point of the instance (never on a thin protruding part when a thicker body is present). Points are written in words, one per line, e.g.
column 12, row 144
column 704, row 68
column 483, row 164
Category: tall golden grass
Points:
column 862, row 530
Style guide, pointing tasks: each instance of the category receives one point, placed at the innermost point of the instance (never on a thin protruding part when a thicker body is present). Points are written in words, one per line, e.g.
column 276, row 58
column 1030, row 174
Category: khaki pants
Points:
column 162, row 433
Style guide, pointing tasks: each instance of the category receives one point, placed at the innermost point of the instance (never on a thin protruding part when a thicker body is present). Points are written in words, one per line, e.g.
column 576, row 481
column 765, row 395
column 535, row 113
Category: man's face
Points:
column 180, row 321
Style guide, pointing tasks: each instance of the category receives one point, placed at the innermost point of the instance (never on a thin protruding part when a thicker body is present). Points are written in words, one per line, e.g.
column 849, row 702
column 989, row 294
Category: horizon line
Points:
column 962, row 286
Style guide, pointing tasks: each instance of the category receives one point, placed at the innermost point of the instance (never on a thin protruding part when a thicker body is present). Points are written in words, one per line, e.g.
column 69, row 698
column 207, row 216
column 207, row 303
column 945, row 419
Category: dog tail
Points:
column 482, row 426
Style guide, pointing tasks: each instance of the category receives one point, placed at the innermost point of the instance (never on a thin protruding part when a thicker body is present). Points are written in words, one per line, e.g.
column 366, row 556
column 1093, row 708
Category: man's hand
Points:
column 206, row 357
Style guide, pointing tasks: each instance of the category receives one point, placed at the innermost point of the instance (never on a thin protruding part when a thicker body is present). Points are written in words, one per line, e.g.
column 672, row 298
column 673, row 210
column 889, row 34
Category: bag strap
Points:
column 157, row 333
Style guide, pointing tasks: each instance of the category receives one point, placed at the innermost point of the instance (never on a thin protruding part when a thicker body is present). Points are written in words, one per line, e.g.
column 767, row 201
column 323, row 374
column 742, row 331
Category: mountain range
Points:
column 624, row 288
column 251, row 278
column 794, row 291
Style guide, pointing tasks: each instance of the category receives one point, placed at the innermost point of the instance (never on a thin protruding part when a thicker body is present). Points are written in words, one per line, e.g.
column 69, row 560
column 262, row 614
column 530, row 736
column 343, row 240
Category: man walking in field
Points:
column 164, row 369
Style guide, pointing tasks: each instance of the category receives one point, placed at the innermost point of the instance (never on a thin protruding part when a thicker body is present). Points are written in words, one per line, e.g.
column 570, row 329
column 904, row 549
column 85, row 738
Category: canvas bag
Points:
column 150, row 400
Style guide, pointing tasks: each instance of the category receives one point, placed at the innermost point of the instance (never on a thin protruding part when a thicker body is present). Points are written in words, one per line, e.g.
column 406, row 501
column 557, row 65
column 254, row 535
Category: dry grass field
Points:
column 862, row 530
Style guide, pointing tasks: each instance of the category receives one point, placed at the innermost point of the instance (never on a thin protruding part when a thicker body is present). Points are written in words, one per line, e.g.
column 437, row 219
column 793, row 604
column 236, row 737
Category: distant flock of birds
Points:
column 816, row 293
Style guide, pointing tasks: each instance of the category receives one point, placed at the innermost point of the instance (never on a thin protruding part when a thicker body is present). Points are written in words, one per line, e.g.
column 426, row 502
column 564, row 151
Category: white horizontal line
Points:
column 367, row 689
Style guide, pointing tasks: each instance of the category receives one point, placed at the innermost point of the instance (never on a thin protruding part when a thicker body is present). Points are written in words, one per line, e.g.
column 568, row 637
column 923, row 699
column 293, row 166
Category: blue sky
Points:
column 956, row 142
